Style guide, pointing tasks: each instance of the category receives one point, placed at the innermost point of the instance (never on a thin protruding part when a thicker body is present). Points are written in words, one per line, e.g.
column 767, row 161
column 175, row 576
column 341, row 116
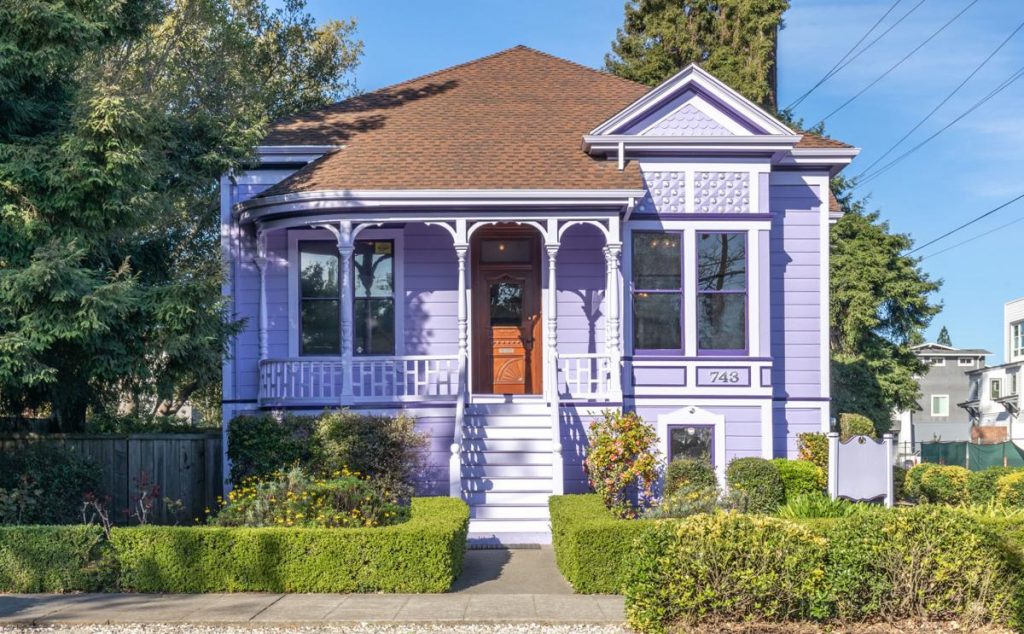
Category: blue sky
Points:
column 969, row 169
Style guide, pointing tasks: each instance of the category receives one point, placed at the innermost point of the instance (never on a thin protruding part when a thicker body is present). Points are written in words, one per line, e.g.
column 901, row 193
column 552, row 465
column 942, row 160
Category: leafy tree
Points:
column 944, row 338
column 879, row 308
column 122, row 116
column 735, row 40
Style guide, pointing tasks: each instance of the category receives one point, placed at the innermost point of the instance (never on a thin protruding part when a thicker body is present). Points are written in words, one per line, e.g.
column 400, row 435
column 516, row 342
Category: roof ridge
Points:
column 496, row 54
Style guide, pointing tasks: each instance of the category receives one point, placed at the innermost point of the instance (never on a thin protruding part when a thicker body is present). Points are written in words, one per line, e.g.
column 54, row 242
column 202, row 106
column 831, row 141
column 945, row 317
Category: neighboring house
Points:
column 995, row 397
column 942, row 388
column 507, row 247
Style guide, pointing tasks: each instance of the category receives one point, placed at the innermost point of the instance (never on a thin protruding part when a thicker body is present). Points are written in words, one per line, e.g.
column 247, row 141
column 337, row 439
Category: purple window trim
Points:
column 711, row 446
column 681, row 292
column 692, row 215
column 737, row 352
column 670, row 357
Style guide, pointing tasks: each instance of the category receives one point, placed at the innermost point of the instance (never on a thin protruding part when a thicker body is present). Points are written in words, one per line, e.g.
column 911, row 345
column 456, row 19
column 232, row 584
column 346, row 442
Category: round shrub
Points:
column 727, row 567
column 813, row 447
column 755, row 484
column 622, row 453
column 981, row 485
column 929, row 562
column 946, row 484
column 1010, row 489
column 913, row 481
column 851, row 425
column 799, row 477
column 684, row 471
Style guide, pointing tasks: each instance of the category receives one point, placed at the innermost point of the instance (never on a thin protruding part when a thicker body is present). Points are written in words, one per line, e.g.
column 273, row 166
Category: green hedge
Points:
column 726, row 567
column 54, row 559
column 799, row 477
column 593, row 548
column 422, row 555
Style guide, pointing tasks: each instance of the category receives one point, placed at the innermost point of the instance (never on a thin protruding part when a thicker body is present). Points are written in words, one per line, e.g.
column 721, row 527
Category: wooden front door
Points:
column 507, row 341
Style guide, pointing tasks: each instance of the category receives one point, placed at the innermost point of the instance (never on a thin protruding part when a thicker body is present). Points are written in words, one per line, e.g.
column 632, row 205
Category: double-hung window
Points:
column 995, row 388
column 722, row 293
column 657, row 291
column 373, row 267
column 319, row 299
column 940, row 405
column 1017, row 339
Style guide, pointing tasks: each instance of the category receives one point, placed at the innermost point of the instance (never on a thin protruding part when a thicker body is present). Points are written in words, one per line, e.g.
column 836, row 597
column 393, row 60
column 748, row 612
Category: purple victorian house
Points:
column 505, row 248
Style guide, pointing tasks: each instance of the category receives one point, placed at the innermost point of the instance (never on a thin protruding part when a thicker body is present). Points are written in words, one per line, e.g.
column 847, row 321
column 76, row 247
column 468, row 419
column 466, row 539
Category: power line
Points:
column 969, row 240
column 900, row 62
column 943, row 102
column 836, row 67
column 865, row 178
column 966, row 224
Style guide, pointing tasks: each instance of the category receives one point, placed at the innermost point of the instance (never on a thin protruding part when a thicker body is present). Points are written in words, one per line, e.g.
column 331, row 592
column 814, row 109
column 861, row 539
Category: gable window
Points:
column 722, row 292
column 1017, row 339
column 995, row 388
column 940, row 405
column 373, row 270
column 319, row 299
column 965, row 361
column 657, row 291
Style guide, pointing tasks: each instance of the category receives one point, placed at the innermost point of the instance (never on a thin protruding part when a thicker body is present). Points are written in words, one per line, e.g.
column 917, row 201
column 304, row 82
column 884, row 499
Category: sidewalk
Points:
column 497, row 586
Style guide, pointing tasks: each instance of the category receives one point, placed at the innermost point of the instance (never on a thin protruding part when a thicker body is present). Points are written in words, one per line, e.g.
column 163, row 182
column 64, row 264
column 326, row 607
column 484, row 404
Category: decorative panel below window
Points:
column 666, row 193
column 373, row 269
column 721, row 192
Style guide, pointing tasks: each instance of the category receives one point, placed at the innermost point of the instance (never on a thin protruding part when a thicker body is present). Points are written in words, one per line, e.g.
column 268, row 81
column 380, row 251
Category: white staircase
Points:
column 507, row 468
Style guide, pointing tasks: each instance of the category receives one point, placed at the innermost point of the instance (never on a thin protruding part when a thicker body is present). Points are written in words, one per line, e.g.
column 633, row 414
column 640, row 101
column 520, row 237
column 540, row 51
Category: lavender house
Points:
column 507, row 247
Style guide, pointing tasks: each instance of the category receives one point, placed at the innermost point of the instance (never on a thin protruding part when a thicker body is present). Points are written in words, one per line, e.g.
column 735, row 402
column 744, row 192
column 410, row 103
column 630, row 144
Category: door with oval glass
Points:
column 506, row 309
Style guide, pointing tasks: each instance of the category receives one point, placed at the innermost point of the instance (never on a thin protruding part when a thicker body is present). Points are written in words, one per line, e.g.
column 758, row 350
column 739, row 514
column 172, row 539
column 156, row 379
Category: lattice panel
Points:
column 721, row 192
column 666, row 193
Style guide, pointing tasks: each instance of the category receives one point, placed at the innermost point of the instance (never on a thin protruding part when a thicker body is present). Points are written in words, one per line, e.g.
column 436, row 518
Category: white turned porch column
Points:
column 261, row 261
column 345, row 249
column 551, row 332
column 613, row 312
column 455, row 460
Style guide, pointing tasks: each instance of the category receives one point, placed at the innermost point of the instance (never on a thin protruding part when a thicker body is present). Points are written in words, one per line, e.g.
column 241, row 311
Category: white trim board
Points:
column 693, row 415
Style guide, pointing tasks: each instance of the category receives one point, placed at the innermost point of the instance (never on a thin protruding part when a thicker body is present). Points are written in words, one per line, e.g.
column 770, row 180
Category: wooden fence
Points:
column 186, row 467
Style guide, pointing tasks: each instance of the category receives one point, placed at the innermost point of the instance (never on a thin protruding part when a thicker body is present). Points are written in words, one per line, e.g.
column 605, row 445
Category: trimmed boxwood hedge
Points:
column 54, row 559
column 593, row 548
column 422, row 555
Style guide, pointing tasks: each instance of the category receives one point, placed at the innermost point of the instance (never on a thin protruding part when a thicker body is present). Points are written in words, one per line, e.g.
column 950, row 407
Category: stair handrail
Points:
column 455, row 460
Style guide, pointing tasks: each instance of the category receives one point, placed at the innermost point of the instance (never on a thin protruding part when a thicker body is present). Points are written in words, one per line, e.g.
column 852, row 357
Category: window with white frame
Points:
column 965, row 362
column 940, row 405
column 938, row 361
column 1013, row 383
column 722, row 292
column 995, row 388
column 319, row 299
column 1017, row 339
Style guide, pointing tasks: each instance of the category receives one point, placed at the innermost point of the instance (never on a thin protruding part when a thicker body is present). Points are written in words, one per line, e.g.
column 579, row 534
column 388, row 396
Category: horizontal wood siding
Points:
column 581, row 286
column 186, row 467
column 431, row 291
column 795, row 291
column 790, row 422
column 742, row 426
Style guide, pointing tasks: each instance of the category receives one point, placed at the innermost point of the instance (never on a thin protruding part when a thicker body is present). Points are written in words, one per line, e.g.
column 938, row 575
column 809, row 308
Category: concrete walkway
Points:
column 503, row 586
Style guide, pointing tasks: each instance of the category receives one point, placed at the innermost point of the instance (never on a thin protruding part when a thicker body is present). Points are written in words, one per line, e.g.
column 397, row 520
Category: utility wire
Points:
column 835, row 67
column 941, row 103
column 965, row 225
column 900, row 62
column 865, row 178
column 969, row 240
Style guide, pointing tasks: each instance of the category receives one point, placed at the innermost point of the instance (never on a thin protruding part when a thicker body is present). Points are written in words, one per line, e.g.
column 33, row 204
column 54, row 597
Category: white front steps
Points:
column 506, row 468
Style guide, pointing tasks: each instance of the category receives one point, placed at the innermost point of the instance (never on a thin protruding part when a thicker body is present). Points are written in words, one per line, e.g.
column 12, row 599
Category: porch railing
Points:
column 319, row 381
column 584, row 375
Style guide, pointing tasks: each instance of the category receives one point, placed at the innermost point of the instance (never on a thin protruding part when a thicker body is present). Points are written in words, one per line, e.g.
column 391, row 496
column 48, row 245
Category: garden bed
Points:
column 423, row 554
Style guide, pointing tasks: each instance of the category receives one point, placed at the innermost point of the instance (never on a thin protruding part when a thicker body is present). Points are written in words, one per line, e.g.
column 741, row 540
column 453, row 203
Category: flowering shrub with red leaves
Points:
column 623, row 451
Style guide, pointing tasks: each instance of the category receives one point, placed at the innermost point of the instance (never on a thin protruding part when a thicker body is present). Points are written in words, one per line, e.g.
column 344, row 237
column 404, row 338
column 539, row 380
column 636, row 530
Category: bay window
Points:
column 319, row 299
column 722, row 293
column 657, row 291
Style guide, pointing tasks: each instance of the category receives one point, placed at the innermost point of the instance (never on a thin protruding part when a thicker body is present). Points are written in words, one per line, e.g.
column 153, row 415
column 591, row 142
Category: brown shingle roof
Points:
column 511, row 120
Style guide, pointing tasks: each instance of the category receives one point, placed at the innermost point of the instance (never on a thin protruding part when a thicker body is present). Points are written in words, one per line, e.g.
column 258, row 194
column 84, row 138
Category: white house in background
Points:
column 994, row 400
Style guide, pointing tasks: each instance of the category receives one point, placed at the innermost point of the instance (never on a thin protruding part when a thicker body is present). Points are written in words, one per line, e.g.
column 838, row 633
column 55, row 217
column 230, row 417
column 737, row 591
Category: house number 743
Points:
column 731, row 376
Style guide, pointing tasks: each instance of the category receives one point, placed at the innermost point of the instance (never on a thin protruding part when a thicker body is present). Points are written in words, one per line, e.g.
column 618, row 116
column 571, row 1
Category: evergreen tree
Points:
column 121, row 118
column 944, row 337
column 735, row 40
